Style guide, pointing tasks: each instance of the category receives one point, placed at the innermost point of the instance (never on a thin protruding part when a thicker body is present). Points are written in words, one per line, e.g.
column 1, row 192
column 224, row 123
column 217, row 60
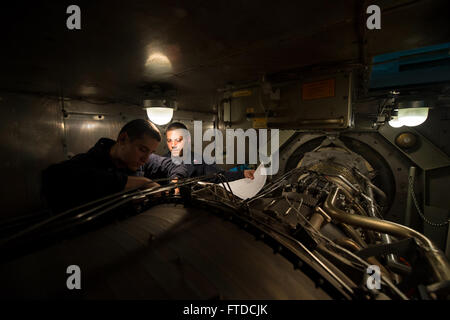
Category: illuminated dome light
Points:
column 158, row 63
column 395, row 122
column 412, row 117
column 160, row 115
column 157, row 58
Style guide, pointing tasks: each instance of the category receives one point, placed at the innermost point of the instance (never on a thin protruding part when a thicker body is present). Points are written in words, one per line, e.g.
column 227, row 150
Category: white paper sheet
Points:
column 247, row 188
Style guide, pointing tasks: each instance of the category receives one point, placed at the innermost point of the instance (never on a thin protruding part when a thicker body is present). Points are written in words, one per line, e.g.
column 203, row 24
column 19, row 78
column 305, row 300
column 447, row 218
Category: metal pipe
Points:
column 374, row 187
column 370, row 235
column 316, row 220
column 353, row 246
column 351, row 232
column 392, row 259
column 321, row 121
column 343, row 179
column 436, row 258
column 313, row 122
column 409, row 199
column 372, row 211
column 355, row 204
column 349, row 244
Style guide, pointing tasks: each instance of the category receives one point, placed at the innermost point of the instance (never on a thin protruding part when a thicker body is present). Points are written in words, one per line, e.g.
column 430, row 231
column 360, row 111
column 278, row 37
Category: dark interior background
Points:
column 208, row 43
column 101, row 69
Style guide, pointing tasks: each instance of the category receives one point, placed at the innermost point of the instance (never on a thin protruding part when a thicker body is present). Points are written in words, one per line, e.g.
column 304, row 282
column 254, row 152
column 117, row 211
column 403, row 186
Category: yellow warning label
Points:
column 250, row 110
column 259, row 123
column 318, row 89
column 241, row 93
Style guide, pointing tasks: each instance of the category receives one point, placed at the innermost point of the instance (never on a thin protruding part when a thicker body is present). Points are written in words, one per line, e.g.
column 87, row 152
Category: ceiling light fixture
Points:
column 412, row 117
column 158, row 112
column 410, row 114
column 395, row 123
column 160, row 105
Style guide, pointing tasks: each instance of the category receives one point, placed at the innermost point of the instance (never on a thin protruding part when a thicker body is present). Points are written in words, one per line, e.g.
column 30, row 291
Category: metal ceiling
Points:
column 207, row 43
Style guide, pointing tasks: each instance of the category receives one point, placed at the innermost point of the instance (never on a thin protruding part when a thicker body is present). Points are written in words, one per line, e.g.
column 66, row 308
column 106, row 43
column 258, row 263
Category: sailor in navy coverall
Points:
column 175, row 144
column 109, row 167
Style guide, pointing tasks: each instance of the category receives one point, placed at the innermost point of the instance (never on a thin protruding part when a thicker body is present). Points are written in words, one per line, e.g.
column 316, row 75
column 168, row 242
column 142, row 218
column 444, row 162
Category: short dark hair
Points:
column 135, row 129
column 176, row 125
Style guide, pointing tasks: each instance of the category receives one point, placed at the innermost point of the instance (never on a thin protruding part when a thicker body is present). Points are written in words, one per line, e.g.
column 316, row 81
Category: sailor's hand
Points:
column 249, row 174
column 153, row 184
column 136, row 182
column 176, row 191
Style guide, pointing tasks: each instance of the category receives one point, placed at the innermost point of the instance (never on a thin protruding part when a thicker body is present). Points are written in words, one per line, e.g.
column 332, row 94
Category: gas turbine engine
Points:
column 330, row 205
column 325, row 217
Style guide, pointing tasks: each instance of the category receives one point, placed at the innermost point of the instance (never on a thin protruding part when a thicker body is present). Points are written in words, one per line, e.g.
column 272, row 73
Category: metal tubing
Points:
column 317, row 220
column 436, row 258
column 311, row 122
column 374, row 187
column 384, row 237
column 349, row 244
column 351, row 232
column 409, row 199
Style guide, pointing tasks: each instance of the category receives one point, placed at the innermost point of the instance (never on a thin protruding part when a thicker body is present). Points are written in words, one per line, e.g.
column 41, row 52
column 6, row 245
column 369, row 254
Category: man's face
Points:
column 175, row 142
column 135, row 154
